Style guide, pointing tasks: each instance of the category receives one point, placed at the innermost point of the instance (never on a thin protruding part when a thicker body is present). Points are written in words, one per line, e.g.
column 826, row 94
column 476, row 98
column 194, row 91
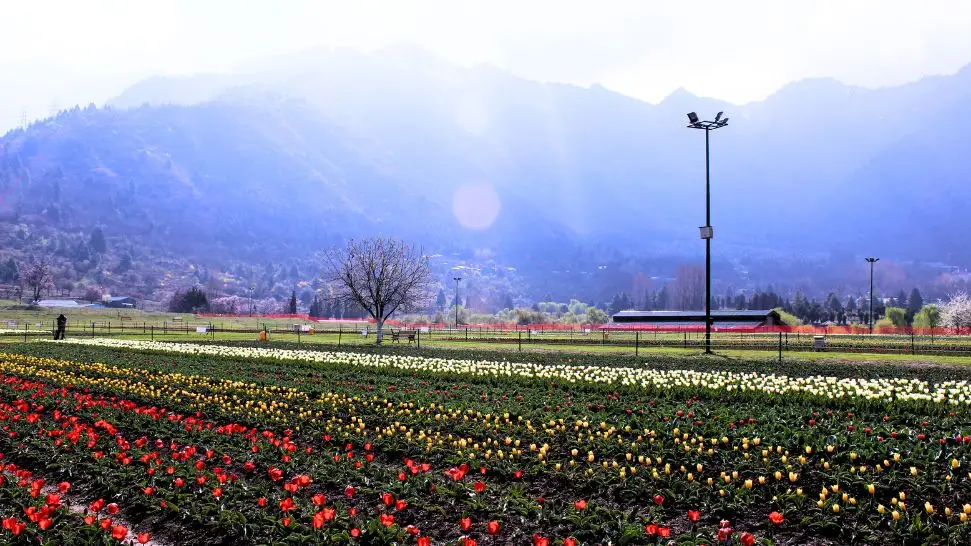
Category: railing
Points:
column 616, row 337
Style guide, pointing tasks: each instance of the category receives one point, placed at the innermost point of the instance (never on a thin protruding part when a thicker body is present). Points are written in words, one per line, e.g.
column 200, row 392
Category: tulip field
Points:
column 109, row 441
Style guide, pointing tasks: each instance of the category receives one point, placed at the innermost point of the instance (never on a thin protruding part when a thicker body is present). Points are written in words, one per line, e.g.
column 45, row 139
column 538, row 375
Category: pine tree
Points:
column 914, row 304
column 97, row 241
column 292, row 308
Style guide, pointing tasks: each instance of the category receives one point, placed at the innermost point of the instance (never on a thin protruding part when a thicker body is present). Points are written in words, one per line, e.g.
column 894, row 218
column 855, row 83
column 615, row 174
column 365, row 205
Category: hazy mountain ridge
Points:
column 294, row 156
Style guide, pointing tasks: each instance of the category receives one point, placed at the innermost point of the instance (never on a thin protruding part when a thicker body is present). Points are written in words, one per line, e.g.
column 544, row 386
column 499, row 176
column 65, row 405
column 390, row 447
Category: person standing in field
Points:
column 61, row 325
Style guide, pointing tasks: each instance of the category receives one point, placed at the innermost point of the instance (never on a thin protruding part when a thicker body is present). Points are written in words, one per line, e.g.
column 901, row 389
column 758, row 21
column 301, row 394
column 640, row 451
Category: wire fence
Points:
column 633, row 338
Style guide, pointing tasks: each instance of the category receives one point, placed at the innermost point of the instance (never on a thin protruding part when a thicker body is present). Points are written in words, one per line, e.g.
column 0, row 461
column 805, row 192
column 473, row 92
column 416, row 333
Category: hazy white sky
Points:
column 67, row 52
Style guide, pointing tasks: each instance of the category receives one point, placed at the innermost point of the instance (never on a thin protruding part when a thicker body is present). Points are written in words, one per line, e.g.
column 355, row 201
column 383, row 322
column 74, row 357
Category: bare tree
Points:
column 37, row 277
column 689, row 287
column 379, row 275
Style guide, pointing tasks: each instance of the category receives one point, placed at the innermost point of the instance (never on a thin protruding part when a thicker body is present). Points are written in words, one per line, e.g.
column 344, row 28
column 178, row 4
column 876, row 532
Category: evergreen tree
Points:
column 901, row 299
column 292, row 307
column 193, row 300
column 441, row 300
column 663, row 298
column 97, row 241
column 619, row 303
column 914, row 304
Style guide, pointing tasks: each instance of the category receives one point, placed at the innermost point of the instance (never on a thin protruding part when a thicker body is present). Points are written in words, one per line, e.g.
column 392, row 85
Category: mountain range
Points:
column 482, row 167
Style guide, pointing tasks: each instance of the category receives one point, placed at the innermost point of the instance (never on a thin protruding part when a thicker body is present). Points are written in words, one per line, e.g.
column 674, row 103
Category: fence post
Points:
column 340, row 330
column 520, row 332
column 913, row 349
column 25, row 332
column 92, row 328
column 418, row 337
column 603, row 337
column 780, row 347
column 153, row 332
column 109, row 328
column 466, row 333
column 685, row 339
column 637, row 343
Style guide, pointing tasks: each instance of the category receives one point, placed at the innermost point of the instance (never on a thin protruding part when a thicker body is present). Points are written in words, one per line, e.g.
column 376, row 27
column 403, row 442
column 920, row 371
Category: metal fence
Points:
column 587, row 337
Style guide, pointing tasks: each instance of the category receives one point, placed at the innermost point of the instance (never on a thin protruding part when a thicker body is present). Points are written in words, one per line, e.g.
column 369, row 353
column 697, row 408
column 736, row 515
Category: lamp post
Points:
column 456, row 279
column 870, row 317
column 707, row 233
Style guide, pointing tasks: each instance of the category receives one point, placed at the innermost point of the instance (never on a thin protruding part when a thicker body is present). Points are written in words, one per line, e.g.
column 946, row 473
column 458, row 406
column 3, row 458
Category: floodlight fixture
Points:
column 692, row 118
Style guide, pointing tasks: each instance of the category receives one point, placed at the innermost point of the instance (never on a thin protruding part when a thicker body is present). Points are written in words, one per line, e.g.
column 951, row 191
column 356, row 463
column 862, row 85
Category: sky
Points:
column 55, row 54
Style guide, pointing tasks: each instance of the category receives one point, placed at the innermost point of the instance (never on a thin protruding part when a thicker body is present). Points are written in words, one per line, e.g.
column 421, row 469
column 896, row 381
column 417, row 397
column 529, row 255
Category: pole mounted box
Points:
column 707, row 232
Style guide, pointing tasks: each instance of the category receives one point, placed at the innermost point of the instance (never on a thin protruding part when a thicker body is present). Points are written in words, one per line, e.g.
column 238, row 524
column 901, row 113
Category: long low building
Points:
column 690, row 320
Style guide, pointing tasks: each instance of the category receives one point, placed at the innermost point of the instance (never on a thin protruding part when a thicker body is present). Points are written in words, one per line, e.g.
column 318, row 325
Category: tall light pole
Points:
column 707, row 233
column 456, row 279
column 870, row 317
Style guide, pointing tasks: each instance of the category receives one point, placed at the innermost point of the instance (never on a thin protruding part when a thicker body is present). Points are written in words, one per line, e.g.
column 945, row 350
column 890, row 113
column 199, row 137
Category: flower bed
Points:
column 204, row 444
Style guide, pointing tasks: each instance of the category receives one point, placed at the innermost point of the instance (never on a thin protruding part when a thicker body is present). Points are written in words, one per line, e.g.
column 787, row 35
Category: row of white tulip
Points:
column 951, row 392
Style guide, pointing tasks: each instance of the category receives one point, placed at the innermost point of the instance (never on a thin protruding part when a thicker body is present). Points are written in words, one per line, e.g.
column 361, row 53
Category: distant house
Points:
column 674, row 320
column 120, row 302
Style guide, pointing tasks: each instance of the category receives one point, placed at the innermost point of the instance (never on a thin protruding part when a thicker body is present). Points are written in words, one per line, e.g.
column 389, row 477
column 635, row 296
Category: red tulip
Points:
column 217, row 492
column 747, row 539
column 143, row 538
column 89, row 520
column 479, row 486
column 569, row 541
column 387, row 520
column 724, row 533
column 400, row 505
column 540, row 541
column 776, row 518
column 663, row 532
column 287, row 504
column 355, row 532
column 44, row 524
column 112, row 509
column 694, row 516
column 119, row 532
column 349, row 491
column 650, row 529
column 465, row 523
column 286, row 522
column 319, row 499
column 261, row 501
column 468, row 542
column 53, row 500
column 63, row 487
column 580, row 504
column 493, row 527
column 658, row 499
column 424, row 541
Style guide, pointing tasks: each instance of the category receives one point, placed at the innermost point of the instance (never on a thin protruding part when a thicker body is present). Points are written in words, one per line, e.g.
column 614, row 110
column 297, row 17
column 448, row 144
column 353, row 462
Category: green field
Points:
column 135, row 324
